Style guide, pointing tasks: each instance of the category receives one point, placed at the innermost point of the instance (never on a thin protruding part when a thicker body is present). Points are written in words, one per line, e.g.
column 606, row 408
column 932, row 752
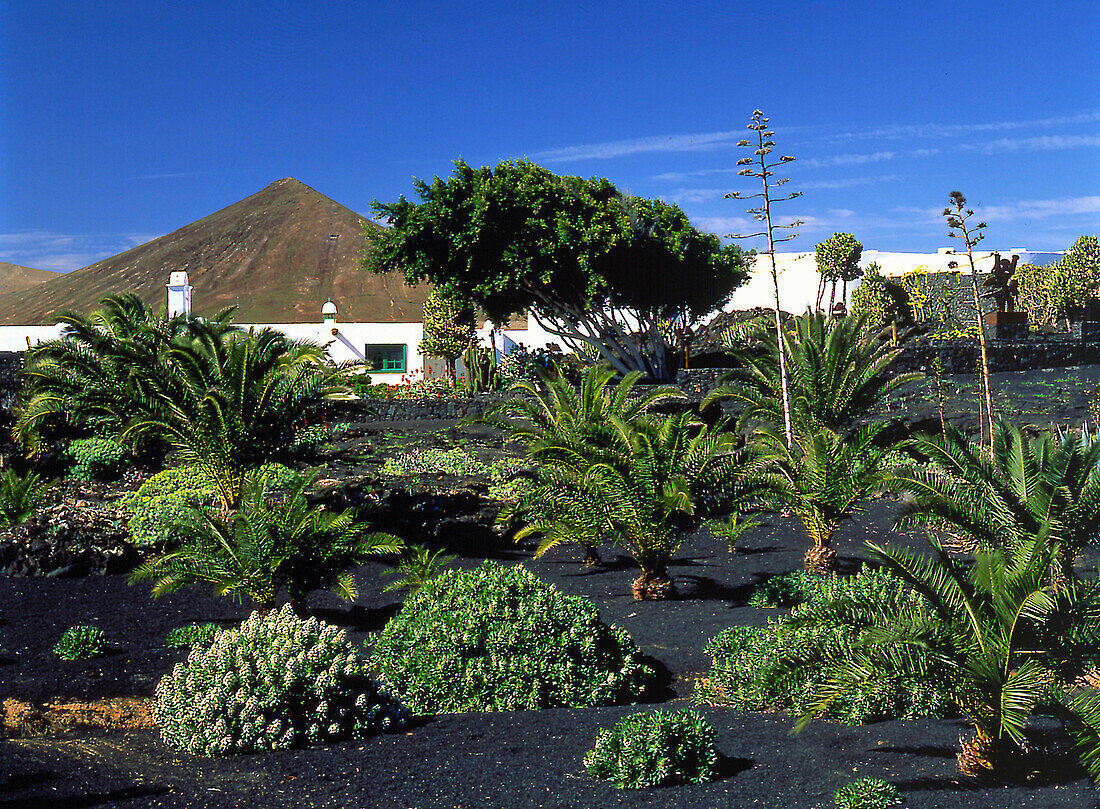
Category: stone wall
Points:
column 11, row 363
column 957, row 356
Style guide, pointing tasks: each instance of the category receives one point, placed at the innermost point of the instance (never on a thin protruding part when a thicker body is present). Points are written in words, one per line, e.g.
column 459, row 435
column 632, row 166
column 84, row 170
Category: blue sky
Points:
column 121, row 121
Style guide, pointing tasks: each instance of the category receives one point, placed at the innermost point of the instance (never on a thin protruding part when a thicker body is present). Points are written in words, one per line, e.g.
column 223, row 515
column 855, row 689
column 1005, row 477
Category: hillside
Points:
column 14, row 278
column 277, row 255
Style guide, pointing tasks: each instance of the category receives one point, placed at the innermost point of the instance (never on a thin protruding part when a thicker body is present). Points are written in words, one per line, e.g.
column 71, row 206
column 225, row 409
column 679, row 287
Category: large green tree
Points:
column 448, row 329
column 1075, row 278
column 624, row 275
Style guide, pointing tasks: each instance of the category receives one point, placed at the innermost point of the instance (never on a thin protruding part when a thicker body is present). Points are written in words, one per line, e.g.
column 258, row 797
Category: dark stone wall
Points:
column 11, row 363
column 957, row 356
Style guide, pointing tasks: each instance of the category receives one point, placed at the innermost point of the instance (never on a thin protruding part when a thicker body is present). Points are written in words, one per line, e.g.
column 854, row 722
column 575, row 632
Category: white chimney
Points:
column 328, row 312
column 179, row 295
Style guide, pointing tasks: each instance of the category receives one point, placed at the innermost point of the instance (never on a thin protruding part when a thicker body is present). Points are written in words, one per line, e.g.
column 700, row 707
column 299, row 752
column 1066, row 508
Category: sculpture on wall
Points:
column 1003, row 287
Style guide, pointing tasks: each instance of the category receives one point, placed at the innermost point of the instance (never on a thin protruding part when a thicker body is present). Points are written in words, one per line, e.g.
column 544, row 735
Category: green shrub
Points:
column 779, row 667
column 95, row 459
column 166, row 499
column 456, row 461
column 498, row 639
column 81, row 642
column 867, row 793
column 654, row 749
column 1094, row 407
column 192, row 635
column 276, row 682
column 19, row 496
column 786, row 590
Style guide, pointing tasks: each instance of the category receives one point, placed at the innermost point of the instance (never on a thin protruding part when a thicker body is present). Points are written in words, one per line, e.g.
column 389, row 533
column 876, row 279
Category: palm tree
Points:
column 230, row 403
column 266, row 546
column 838, row 372
column 84, row 381
column 19, row 496
column 570, row 426
column 1023, row 489
column 643, row 491
column 987, row 628
column 823, row 477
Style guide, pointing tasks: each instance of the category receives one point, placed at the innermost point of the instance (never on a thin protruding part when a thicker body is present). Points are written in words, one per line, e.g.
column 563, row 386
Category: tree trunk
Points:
column 820, row 559
column 591, row 556
column 983, row 756
column 653, row 585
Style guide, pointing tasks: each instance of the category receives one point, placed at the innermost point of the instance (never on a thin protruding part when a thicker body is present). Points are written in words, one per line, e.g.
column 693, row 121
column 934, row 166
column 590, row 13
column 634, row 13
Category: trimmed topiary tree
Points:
column 498, row 639
column 655, row 749
column 276, row 682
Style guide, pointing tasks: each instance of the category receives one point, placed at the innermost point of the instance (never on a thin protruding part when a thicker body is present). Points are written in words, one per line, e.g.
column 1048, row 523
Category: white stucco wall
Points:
column 798, row 276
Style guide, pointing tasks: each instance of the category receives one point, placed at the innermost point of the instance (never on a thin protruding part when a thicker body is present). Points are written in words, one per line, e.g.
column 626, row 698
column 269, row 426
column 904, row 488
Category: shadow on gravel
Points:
column 917, row 750
column 79, row 801
column 357, row 618
column 731, row 766
column 661, row 690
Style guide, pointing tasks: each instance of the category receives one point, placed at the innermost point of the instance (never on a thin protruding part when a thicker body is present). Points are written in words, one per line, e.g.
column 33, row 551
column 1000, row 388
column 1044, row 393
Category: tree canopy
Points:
column 593, row 264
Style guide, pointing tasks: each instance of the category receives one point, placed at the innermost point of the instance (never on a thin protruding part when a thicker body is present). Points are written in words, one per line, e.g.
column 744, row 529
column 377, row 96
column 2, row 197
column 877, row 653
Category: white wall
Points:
column 15, row 338
column 798, row 276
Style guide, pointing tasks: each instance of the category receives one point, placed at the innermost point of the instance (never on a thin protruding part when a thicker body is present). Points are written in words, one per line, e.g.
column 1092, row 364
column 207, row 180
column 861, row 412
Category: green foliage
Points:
column 1094, row 406
column 19, row 496
column 519, row 237
column 265, row 546
column 867, row 793
column 448, row 328
column 838, row 373
column 81, row 642
column 877, row 301
column 95, row 459
column 498, row 639
column 837, row 259
column 655, row 749
column 416, row 461
column 1003, row 638
column 418, row 566
column 1075, row 278
column 1024, row 488
column 225, row 400
column 192, row 635
column 732, row 528
column 782, row 666
column 788, row 589
column 276, row 682
column 167, row 499
column 824, row 478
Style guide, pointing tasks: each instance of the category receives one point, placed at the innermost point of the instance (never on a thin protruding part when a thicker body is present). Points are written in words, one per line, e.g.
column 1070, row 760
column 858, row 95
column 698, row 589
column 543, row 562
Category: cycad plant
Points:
column 267, row 544
column 19, row 496
column 231, row 403
column 838, row 372
column 1043, row 487
column 85, row 382
column 642, row 492
column 823, row 477
column 988, row 627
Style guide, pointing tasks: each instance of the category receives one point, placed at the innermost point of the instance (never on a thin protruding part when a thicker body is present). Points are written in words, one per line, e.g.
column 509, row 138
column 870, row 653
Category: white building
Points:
column 798, row 275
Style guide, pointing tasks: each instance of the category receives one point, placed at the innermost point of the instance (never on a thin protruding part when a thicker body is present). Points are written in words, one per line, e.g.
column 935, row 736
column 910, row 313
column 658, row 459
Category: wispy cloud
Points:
column 930, row 130
column 863, row 159
column 698, row 142
column 171, row 176
column 1043, row 143
column 1041, row 208
column 62, row 252
column 847, row 182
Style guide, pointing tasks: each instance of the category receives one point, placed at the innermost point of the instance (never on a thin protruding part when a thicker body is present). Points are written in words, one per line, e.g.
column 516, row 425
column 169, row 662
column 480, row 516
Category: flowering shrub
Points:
column 655, row 749
column 81, row 643
column 498, row 639
column 277, row 682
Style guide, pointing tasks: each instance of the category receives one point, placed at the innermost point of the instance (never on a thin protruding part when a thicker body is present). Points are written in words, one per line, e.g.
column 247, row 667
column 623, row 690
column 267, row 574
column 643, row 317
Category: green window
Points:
column 385, row 358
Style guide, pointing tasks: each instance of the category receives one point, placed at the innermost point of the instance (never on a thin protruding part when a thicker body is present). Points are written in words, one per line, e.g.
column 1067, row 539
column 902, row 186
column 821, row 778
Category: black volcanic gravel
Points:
column 521, row 759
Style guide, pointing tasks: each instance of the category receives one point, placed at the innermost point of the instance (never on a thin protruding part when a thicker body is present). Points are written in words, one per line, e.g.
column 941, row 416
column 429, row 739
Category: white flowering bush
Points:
column 498, row 639
column 276, row 682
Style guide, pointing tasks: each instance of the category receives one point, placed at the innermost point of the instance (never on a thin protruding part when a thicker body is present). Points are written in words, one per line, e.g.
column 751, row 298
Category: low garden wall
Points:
column 957, row 356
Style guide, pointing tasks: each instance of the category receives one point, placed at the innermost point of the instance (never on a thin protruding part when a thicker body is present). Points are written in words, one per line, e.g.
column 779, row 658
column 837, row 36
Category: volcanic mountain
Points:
column 15, row 278
column 277, row 255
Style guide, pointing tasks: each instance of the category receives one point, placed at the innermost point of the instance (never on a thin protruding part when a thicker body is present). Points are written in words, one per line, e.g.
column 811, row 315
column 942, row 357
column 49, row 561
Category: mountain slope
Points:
column 16, row 278
column 277, row 255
